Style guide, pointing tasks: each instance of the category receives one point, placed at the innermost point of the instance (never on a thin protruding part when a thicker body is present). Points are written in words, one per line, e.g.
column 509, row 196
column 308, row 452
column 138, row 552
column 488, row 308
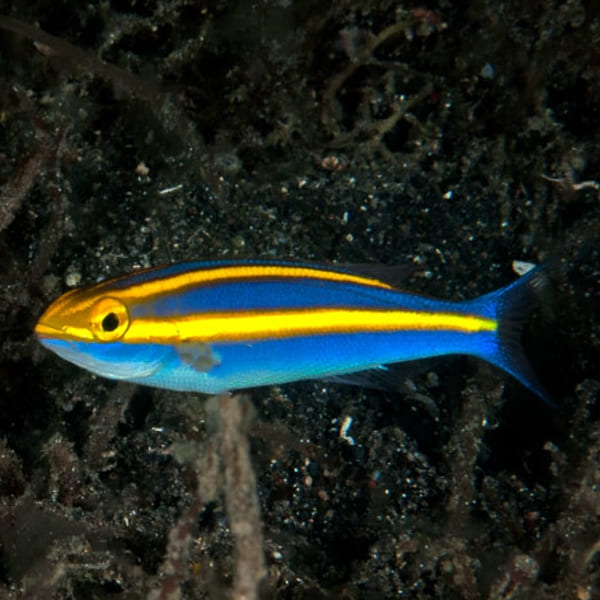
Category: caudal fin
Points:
column 510, row 306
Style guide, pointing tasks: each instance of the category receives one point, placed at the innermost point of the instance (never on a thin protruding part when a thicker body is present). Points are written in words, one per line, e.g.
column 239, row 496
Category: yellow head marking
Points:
column 109, row 319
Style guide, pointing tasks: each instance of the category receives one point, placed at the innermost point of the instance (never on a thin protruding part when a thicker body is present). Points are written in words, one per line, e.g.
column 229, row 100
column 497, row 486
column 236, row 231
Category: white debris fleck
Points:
column 521, row 267
column 171, row 189
column 346, row 424
column 142, row 169
column 73, row 279
column 488, row 71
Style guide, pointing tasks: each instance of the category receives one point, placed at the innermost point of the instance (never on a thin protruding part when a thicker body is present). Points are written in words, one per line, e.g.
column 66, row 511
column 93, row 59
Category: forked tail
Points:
column 510, row 307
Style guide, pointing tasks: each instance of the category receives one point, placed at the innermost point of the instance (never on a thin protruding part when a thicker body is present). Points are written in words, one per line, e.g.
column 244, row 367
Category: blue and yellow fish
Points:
column 218, row 326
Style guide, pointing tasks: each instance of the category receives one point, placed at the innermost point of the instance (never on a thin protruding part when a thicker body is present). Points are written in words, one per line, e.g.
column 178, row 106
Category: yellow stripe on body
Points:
column 264, row 325
column 173, row 284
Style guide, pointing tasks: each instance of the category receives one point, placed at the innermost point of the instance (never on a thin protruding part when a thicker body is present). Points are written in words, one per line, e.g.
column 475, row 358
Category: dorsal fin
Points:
column 394, row 275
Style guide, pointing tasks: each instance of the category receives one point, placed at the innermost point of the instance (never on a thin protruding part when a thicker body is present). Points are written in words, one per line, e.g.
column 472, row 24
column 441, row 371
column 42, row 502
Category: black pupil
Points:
column 110, row 322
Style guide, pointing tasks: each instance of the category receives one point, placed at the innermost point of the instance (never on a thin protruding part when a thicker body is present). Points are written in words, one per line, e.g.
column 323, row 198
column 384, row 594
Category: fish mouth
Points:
column 44, row 331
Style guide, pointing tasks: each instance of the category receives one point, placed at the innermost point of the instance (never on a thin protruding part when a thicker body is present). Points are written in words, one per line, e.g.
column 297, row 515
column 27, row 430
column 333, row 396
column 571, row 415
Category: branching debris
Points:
column 241, row 499
column 371, row 127
column 223, row 466
column 14, row 192
column 122, row 80
column 568, row 184
column 52, row 46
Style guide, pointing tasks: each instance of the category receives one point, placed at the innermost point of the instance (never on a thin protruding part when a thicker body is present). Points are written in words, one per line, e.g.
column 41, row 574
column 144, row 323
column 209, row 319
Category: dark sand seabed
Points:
column 456, row 137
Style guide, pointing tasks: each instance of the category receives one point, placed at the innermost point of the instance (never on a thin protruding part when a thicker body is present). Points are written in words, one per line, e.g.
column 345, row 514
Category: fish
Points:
column 224, row 325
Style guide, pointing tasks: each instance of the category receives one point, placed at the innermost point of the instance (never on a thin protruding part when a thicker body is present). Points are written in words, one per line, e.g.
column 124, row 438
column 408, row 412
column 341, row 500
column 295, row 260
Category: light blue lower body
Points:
column 244, row 365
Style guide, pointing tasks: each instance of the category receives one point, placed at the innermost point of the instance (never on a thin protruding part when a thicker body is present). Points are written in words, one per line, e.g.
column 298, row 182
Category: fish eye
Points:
column 109, row 319
column 110, row 322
